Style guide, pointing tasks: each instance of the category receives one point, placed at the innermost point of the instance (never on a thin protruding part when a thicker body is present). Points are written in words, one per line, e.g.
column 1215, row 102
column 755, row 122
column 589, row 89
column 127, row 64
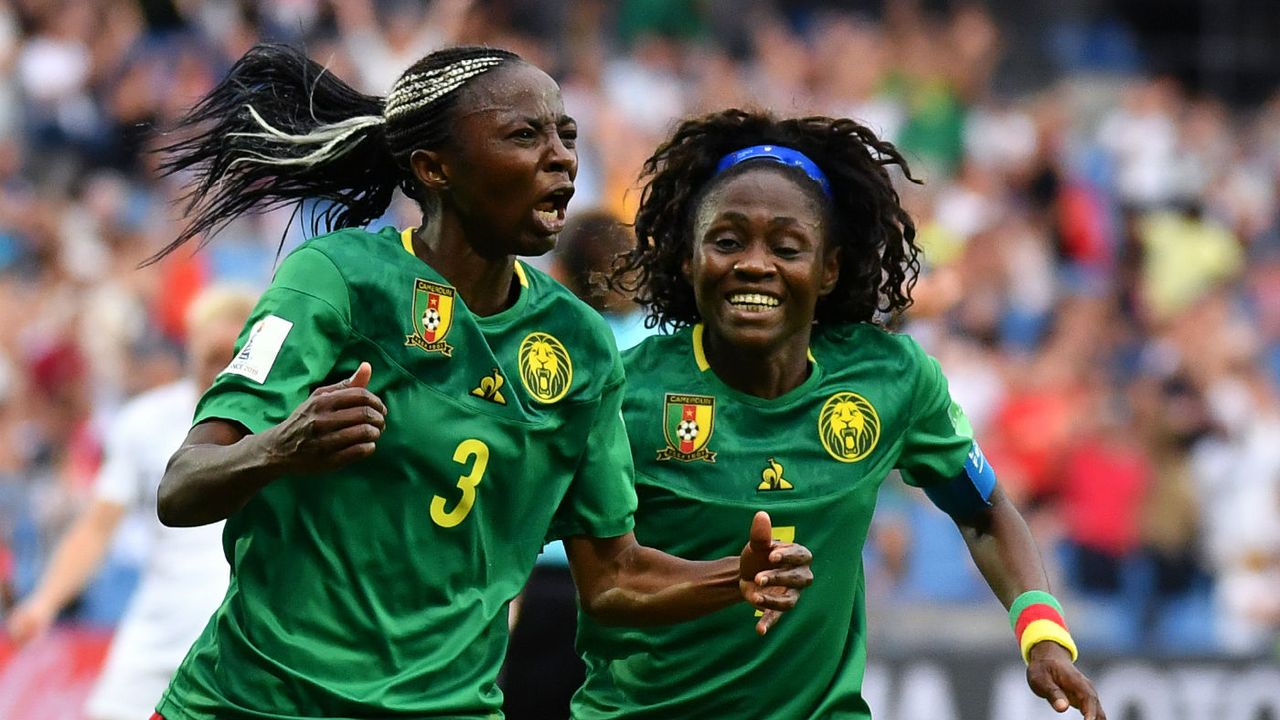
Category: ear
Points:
column 830, row 270
column 430, row 169
column 686, row 268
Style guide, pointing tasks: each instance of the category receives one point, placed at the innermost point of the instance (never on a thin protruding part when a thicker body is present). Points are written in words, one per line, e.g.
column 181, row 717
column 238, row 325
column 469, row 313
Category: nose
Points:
column 754, row 262
column 561, row 158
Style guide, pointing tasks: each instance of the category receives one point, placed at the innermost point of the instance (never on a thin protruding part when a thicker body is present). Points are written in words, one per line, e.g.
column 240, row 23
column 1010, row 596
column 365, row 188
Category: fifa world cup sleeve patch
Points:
column 259, row 353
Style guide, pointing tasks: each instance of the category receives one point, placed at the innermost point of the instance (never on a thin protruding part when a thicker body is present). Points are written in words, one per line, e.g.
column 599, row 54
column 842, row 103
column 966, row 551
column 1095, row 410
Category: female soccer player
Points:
column 410, row 415
column 770, row 246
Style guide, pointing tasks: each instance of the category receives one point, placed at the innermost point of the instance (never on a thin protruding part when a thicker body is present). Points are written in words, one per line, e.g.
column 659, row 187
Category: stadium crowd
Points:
column 1102, row 283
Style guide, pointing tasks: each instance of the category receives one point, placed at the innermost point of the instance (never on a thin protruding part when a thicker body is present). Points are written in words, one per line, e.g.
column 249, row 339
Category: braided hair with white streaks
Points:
column 280, row 129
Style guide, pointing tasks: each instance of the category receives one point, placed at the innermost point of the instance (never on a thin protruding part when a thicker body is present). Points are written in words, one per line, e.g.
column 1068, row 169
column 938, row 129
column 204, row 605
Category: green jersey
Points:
column 381, row 589
column 707, row 458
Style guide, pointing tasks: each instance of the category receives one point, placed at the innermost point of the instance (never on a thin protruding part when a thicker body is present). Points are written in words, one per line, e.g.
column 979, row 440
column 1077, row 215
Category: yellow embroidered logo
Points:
column 432, row 317
column 545, row 367
column 688, row 421
column 771, row 478
column 848, row 427
column 490, row 388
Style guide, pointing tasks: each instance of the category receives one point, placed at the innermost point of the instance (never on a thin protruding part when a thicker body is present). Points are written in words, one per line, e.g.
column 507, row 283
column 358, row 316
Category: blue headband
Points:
column 778, row 154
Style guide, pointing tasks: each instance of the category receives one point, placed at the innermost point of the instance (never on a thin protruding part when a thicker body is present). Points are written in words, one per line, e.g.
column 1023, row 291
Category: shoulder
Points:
column 342, row 254
column 657, row 355
column 329, row 266
column 354, row 244
column 570, row 320
column 850, row 342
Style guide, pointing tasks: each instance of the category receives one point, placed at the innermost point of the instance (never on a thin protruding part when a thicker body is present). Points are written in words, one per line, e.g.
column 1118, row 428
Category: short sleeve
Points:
column 288, row 347
column 938, row 436
column 119, row 479
column 601, row 501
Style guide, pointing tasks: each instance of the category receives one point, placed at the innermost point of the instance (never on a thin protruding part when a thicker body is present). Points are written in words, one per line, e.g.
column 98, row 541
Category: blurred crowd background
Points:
column 1100, row 218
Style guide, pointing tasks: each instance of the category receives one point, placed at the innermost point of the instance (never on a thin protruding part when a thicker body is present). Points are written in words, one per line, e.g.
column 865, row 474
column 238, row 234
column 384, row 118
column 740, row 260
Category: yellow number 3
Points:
column 467, row 450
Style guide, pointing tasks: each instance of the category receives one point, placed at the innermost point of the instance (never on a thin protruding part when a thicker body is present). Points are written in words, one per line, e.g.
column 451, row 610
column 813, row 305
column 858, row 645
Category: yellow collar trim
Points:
column 406, row 239
column 700, row 355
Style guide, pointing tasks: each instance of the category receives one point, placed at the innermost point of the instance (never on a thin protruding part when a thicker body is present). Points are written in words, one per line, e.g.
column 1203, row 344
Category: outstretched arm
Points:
column 1005, row 552
column 74, row 562
column 220, row 467
column 621, row 582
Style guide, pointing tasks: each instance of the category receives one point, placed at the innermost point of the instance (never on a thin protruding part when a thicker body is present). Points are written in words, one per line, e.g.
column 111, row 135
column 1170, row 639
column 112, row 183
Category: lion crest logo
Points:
column 545, row 367
column 848, row 427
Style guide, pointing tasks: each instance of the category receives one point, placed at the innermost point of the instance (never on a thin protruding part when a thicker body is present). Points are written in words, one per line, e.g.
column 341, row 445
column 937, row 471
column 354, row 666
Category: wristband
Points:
column 1036, row 616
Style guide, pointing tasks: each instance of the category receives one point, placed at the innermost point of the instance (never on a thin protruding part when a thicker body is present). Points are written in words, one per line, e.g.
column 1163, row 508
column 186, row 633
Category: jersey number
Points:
column 468, row 450
column 782, row 534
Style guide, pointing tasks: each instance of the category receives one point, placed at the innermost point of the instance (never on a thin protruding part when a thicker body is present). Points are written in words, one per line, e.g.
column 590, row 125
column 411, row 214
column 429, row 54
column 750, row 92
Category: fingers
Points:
column 1042, row 683
column 351, row 454
column 790, row 555
column 359, row 379
column 787, row 577
column 26, row 625
column 344, row 438
column 351, row 397
column 761, row 532
column 775, row 598
column 1081, row 693
column 351, row 417
column 767, row 620
column 361, row 376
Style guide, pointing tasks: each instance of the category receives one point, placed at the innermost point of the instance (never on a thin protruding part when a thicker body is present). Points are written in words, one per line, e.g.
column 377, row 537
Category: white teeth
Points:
column 548, row 216
column 753, row 299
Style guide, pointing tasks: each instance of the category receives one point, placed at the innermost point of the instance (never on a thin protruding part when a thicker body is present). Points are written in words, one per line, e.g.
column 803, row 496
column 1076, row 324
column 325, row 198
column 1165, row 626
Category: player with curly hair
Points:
column 410, row 414
column 773, row 249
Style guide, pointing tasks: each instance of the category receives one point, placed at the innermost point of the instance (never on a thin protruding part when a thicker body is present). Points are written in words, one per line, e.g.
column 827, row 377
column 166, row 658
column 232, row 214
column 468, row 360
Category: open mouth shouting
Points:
column 548, row 213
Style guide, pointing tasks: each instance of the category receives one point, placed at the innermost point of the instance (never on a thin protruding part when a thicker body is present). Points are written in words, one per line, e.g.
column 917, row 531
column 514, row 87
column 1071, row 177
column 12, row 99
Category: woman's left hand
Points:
column 1053, row 676
column 771, row 574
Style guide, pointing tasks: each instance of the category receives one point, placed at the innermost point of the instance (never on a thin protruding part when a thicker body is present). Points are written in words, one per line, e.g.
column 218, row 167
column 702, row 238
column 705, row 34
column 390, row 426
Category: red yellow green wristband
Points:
column 1036, row 616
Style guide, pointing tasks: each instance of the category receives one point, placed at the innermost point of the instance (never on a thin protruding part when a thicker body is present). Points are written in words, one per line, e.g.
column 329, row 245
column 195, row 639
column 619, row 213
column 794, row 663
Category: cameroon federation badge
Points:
column 689, row 422
column 432, row 317
column 545, row 368
column 848, row 427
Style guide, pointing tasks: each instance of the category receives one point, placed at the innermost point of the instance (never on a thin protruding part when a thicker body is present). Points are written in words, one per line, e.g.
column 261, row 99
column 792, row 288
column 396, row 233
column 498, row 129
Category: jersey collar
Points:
column 700, row 355
column 406, row 239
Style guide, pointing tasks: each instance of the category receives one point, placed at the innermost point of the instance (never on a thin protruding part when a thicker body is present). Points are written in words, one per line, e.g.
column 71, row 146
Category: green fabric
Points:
column 349, row 598
column 1029, row 598
column 768, row 455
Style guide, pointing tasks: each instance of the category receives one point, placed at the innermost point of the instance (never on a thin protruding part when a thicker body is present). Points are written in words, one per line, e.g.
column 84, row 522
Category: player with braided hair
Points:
column 772, row 249
column 410, row 415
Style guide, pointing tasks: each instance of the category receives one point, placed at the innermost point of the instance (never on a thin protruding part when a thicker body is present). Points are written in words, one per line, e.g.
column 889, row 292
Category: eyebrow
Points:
column 540, row 122
column 776, row 221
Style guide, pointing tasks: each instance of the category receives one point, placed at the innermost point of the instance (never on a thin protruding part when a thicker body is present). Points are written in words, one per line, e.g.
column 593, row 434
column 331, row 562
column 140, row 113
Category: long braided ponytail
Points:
column 280, row 129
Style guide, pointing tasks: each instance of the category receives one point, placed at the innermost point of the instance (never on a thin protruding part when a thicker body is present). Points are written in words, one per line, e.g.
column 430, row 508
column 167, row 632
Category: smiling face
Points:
column 760, row 260
column 509, row 173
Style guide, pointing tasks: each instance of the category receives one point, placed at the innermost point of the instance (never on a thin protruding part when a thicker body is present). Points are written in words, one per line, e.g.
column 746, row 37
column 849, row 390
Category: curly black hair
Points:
column 879, row 257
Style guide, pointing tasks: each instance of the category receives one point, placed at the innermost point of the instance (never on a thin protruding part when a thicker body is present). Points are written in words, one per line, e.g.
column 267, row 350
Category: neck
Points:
column 766, row 374
column 487, row 285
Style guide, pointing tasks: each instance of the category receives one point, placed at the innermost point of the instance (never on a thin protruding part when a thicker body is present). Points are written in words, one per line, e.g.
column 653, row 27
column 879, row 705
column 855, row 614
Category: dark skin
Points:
column 499, row 191
column 761, row 235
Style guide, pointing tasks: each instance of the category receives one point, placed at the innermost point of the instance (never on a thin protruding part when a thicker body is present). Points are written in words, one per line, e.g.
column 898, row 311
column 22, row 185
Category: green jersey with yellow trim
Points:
column 707, row 457
column 381, row 589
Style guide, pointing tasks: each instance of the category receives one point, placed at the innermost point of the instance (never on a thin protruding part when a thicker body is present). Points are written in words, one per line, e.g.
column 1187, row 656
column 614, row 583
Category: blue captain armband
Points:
column 968, row 493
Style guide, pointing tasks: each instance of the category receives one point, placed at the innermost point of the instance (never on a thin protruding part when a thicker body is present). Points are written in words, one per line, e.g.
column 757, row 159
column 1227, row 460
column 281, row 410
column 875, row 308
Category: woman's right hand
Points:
column 337, row 425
